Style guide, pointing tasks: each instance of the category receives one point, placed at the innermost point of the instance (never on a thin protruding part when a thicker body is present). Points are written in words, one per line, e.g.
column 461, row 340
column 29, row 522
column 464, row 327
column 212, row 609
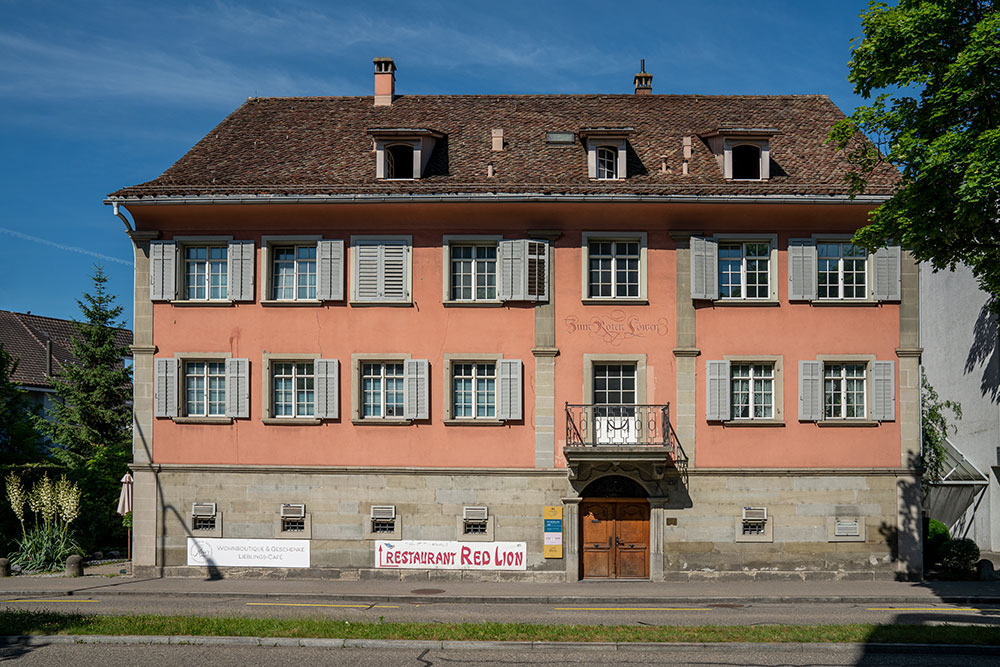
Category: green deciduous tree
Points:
column 934, row 66
column 90, row 424
column 20, row 442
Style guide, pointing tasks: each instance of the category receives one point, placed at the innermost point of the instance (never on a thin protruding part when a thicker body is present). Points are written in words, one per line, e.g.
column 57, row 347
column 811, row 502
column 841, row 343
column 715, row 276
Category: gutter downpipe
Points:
column 120, row 216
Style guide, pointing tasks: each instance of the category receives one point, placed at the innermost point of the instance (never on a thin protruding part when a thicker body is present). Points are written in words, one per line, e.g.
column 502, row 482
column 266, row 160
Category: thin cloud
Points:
column 61, row 246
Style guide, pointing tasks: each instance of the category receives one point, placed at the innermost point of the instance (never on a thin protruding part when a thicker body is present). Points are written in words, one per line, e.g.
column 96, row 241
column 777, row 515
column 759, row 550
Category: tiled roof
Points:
column 322, row 146
column 24, row 335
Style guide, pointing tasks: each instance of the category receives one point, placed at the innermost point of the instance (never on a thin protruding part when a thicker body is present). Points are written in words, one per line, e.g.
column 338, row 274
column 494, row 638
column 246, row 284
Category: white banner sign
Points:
column 247, row 553
column 427, row 555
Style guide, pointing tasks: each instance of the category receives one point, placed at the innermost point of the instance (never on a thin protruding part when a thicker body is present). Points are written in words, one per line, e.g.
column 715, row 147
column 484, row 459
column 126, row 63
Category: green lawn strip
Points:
column 18, row 622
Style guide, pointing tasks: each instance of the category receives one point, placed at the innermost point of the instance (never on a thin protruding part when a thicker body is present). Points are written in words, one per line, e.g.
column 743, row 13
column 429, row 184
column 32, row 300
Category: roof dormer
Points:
column 606, row 151
column 743, row 153
column 402, row 152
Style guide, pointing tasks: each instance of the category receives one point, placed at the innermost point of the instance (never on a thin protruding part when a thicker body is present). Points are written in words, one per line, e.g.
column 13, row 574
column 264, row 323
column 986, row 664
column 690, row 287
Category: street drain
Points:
column 427, row 591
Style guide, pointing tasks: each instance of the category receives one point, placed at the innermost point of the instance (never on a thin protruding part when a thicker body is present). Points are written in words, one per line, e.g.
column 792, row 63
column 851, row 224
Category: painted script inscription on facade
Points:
column 429, row 555
column 219, row 552
column 616, row 327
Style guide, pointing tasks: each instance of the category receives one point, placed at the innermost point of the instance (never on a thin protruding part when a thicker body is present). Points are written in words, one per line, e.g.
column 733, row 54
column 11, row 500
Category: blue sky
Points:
column 100, row 95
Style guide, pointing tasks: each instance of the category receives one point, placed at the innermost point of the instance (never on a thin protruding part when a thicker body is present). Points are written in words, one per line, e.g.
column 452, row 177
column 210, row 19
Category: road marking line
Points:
column 58, row 600
column 303, row 604
column 923, row 609
column 632, row 609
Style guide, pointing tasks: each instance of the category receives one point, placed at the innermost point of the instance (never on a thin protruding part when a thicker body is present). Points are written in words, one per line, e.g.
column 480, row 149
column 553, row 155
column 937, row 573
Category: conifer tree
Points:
column 90, row 424
column 92, row 408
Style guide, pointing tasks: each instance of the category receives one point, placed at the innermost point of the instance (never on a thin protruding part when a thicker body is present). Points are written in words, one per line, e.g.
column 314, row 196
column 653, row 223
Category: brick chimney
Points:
column 385, row 81
column 643, row 81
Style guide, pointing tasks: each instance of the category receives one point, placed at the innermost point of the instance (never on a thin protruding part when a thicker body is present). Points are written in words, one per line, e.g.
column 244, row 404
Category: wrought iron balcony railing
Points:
column 618, row 426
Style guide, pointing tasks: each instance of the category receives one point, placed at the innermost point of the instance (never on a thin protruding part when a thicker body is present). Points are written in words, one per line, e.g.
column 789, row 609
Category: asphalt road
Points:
column 108, row 655
column 597, row 614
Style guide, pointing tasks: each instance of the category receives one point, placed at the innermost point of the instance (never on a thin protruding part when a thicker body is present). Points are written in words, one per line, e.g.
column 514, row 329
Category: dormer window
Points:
column 743, row 154
column 607, row 162
column 399, row 161
column 606, row 151
column 746, row 162
column 402, row 153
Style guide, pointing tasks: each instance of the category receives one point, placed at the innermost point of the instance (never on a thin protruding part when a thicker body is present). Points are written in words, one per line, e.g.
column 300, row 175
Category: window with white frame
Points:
column 201, row 387
column 293, row 391
column 206, row 272
column 614, row 269
column 607, row 162
column 474, row 390
column 744, row 389
column 382, row 390
column 205, row 388
column 845, row 391
column 744, row 270
column 399, row 161
column 473, row 271
column 841, row 271
column 293, row 272
column 491, row 269
column 751, row 391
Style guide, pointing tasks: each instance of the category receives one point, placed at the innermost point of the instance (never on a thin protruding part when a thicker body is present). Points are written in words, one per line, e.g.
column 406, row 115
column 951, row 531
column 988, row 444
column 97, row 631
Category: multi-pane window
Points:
column 752, row 391
column 205, row 388
column 744, row 270
column 844, row 391
column 614, row 384
column 206, row 272
column 614, row 269
column 293, row 272
column 841, row 271
column 381, row 390
column 473, row 272
column 607, row 162
column 474, row 390
column 293, row 389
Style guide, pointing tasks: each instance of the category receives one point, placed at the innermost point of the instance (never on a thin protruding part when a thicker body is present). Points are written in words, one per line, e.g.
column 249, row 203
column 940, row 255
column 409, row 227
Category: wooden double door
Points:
column 615, row 536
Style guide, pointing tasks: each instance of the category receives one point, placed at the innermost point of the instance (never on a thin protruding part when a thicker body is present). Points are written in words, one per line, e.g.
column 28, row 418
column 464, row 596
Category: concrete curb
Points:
column 537, row 599
column 188, row 640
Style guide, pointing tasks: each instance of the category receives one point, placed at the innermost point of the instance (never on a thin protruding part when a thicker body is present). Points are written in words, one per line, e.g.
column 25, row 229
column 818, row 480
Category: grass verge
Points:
column 18, row 622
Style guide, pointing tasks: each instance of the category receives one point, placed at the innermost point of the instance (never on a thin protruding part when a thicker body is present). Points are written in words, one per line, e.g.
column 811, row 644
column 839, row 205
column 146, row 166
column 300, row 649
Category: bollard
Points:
column 984, row 570
column 4, row 567
column 74, row 566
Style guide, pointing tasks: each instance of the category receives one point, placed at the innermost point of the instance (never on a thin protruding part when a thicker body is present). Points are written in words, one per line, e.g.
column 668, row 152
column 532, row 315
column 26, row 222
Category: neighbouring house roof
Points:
column 323, row 146
column 25, row 336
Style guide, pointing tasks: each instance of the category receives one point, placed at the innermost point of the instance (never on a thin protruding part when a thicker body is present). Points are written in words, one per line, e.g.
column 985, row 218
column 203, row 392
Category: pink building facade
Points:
column 620, row 336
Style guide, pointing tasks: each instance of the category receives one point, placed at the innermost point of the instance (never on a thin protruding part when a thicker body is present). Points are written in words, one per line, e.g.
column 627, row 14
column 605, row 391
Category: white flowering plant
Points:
column 47, row 541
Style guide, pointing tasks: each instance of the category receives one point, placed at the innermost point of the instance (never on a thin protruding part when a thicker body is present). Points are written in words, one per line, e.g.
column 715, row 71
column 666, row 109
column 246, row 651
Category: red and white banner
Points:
column 428, row 555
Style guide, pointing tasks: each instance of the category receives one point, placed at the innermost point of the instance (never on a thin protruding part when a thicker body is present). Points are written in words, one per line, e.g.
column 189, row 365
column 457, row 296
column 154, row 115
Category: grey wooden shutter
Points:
column 509, row 392
column 704, row 268
column 165, row 388
column 330, row 262
column 416, row 380
column 240, row 258
column 162, row 271
column 327, row 388
column 717, row 391
column 394, row 284
column 810, row 391
column 512, row 270
column 801, row 270
column 887, row 268
column 238, row 388
column 884, row 391
column 367, row 267
column 537, row 265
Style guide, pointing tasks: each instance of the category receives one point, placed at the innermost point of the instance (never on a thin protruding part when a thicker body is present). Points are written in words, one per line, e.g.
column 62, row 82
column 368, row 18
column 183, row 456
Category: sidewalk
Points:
column 591, row 592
